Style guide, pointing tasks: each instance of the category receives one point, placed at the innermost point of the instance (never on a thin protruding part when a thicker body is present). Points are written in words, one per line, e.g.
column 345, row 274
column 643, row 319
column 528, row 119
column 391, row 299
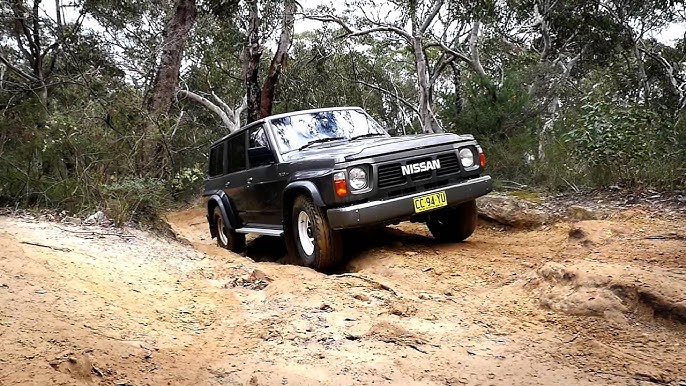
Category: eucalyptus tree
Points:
column 450, row 28
column 325, row 71
column 31, row 45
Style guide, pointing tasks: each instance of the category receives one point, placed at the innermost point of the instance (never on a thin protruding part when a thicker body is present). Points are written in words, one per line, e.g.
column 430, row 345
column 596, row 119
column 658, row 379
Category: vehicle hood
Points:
column 369, row 147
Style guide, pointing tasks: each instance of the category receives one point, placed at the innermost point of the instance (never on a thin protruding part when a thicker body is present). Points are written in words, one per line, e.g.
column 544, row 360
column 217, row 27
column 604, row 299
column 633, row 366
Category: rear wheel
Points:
column 454, row 224
column 310, row 238
column 227, row 238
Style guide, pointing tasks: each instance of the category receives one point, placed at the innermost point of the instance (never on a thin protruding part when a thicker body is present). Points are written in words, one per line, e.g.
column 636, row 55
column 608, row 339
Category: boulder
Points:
column 97, row 218
column 511, row 211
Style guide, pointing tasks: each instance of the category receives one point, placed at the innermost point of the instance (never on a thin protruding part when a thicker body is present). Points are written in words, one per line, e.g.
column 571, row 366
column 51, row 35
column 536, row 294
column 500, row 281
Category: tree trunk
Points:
column 167, row 76
column 279, row 60
column 426, row 114
column 252, row 53
column 643, row 93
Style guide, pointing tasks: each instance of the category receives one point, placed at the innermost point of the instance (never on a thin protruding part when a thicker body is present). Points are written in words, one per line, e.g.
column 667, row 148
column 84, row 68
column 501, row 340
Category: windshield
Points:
column 296, row 131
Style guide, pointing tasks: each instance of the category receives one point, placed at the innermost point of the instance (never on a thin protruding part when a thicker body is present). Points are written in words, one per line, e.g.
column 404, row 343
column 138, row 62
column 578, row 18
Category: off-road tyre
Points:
column 454, row 224
column 323, row 250
column 227, row 238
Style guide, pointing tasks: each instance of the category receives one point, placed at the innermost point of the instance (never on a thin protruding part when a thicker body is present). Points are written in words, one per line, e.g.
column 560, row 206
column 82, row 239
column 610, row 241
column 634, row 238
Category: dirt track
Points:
column 599, row 302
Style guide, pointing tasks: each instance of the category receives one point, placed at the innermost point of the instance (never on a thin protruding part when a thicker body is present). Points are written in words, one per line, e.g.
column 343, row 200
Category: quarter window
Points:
column 237, row 153
column 217, row 160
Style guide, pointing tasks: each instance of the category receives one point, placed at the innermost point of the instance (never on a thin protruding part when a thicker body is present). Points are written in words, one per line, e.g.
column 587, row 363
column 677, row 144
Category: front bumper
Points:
column 381, row 211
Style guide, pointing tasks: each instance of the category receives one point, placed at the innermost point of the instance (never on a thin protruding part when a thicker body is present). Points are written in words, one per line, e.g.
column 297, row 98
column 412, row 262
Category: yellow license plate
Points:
column 430, row 201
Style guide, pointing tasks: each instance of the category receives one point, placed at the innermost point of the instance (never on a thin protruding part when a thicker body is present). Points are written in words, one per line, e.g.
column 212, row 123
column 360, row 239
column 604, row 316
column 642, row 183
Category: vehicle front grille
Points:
column 391, row 175
column 449, row 164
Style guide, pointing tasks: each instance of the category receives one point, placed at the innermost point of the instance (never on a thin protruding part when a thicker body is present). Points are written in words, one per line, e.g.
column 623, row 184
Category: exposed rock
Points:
column 511, row 211
column 609, row 290
column 97, row 218
column 581, row 213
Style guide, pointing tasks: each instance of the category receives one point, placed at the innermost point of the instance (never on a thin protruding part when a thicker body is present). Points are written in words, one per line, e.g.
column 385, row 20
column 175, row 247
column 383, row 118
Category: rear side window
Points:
column 217, row 160
column 237, row 153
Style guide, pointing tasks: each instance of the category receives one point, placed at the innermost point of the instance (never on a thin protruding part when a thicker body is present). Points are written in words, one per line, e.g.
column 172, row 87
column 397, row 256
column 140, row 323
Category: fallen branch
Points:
column 378, row 285
column 61, row 249
column 669, row 236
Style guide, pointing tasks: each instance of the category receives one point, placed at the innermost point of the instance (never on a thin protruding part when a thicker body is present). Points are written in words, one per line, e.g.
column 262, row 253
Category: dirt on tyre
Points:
column 310, row 239
column 227, row 238
column 454, row 224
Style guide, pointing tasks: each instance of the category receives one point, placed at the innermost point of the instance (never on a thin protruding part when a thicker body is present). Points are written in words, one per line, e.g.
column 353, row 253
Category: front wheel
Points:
column 454, row 224
column 227, row 238
column 310, row 238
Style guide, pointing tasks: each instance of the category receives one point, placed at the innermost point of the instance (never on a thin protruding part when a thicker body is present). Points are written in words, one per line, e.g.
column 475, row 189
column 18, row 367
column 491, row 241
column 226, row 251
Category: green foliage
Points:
column 135, row 199
column 187, row 182
column 493, row 111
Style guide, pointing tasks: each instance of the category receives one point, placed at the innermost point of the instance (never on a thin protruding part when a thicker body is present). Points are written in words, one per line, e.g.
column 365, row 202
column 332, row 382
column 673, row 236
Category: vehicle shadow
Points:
column 267, row 249
column 356, row 243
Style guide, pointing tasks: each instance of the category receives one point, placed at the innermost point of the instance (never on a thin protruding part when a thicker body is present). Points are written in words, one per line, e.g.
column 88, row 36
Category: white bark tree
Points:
column 230, row 117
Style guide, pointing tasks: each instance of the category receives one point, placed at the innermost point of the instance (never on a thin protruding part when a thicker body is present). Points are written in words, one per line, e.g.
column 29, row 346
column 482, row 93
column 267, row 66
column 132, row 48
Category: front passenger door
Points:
column 264, row 188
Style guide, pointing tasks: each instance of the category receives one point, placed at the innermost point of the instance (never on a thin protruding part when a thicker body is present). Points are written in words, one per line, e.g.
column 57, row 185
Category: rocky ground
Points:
column 587, row 295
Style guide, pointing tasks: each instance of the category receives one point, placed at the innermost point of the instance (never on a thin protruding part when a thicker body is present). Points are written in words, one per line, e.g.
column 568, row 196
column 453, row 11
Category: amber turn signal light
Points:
column 340, row 185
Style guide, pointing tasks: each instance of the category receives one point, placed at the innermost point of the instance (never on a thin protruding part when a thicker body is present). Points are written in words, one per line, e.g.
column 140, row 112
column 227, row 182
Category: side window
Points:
column 258, row 138
column 237, row 153
column 217, row 160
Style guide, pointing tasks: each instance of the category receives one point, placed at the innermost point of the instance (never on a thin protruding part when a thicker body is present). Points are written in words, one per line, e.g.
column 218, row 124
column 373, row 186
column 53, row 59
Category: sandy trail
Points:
column 596, row 302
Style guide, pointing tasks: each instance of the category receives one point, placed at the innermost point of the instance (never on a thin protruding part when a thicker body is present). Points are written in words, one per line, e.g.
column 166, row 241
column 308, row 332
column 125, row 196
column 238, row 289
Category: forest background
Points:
column 112, row 105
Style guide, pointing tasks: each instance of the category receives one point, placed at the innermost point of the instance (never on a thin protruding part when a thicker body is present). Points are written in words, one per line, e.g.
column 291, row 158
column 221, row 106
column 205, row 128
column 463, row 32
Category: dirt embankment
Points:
column 594, row 302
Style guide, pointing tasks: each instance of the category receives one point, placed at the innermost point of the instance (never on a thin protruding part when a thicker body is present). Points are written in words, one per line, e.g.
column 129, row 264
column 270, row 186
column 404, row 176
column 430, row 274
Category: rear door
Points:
column 238, row 174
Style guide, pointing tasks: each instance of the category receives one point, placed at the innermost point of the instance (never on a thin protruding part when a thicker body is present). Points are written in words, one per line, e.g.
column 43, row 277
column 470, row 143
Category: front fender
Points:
column 306, row 185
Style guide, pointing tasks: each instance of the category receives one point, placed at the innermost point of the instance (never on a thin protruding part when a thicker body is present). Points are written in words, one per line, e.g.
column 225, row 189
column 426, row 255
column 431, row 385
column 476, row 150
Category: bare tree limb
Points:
column 352, row 32
column 224, row 106
column 228, row 123
column 387, row 92
column 431, row 16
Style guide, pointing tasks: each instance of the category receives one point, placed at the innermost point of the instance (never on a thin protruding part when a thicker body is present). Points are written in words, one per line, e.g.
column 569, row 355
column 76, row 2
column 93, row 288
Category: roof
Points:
column 292, row 113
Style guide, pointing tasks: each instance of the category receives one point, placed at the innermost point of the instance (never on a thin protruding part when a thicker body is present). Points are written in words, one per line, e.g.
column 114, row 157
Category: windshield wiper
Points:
column 321, row 140
column 367, row 135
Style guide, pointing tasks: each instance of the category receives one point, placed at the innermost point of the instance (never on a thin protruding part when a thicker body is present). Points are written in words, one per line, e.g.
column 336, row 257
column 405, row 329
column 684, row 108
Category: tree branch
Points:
column 474, row 49
column 352, row 32
column 228, row 123
column 387, row 92
column 17, row 70
column 431, row 16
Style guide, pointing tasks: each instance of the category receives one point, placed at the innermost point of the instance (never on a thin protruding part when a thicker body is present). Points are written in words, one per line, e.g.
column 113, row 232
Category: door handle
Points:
column 226, row 185
column 250, row 180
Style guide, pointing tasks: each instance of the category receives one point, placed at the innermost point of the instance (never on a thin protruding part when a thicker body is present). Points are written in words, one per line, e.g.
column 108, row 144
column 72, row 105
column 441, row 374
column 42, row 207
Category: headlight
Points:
column 467, row 157
column 357, row 178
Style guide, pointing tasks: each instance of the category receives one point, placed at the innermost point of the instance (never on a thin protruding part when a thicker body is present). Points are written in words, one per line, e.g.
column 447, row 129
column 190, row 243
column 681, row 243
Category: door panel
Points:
column 265, row 187
column 236, row 180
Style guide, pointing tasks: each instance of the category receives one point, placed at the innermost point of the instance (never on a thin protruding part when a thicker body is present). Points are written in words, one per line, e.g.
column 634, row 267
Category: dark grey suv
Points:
column 307, row 175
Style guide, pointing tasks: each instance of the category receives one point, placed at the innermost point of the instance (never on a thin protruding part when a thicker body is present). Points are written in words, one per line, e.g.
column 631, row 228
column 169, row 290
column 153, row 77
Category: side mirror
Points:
column 260, row 156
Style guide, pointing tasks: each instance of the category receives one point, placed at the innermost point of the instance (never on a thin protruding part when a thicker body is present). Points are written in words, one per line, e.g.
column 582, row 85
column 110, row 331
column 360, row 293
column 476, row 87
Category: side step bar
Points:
column 261, row 231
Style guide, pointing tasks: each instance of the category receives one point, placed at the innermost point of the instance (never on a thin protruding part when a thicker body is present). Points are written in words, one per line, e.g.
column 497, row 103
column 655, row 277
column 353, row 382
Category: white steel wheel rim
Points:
column 220, row 231
column 305, row 233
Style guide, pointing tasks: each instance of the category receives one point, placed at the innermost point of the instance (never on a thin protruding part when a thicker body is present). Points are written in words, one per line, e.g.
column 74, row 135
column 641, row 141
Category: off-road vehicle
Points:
column 308, row 175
